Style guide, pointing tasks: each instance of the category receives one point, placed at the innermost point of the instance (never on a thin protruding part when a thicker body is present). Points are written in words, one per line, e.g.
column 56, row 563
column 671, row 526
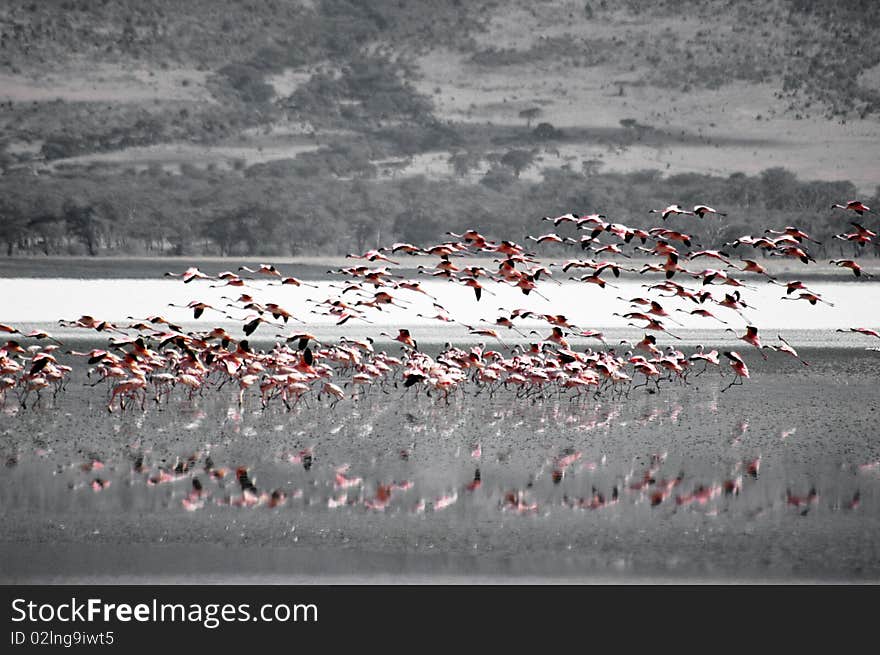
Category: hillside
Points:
column 289, row 128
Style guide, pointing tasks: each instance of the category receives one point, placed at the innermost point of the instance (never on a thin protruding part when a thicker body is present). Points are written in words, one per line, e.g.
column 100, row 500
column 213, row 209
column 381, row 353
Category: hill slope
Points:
column 183, row 127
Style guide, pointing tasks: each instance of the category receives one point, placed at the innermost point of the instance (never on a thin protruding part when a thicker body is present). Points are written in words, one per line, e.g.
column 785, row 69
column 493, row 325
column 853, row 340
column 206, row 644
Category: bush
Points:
column 546, row 132
column 60, row 147
column 248, row 83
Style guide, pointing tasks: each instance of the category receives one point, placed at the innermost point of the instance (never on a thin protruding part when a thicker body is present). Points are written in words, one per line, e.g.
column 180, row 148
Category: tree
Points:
column 14, row 226
column 530, row 115
column 498, row 178
column 545, row 131
column 416, row 227
column 563, row 190
column 463, row 162
column 779, row 187
column 83, row 223
column 248, row 83
column 590, row 167
column 518, row 160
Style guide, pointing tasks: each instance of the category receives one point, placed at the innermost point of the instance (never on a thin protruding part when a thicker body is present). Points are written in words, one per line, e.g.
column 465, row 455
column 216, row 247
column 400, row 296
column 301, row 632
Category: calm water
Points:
column 42, row 302
column 812, row 428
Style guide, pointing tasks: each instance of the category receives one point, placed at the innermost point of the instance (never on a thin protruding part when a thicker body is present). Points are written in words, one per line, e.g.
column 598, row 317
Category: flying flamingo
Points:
column 705, row 313
column 716, row 254
column 408, row 248
column 652, row 324
column 811, row 298
column 197, row 307
column 751, row 266
column 671, row 210
column 702, row 210
column 792, row 231
column 856, row 206
column 564, row 218
column 476, row 286
column 751, row 337
column 861, row 236
column 851, row 264
column 189, row 275
column 264, row 269
column 555, row 238
column 404, row 337
column 285, row 281
column 484, row 332
column 860, row 330
column 787, row 348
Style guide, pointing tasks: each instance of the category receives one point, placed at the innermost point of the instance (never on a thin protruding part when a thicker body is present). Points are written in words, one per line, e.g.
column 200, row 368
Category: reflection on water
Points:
column 421, row 456
column 779, row 475
column 398, row 472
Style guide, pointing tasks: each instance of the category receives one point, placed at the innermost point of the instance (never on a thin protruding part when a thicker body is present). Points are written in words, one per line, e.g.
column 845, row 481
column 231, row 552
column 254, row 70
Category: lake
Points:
column 43, row 301
column 775, row 480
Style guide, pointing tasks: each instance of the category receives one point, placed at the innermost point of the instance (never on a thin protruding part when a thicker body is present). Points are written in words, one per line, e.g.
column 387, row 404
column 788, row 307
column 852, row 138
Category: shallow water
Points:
column 41, row 302
column 811, row 427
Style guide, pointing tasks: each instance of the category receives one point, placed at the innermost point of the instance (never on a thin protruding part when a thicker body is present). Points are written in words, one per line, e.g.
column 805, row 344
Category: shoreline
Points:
column 36, row 563
column 122, row 267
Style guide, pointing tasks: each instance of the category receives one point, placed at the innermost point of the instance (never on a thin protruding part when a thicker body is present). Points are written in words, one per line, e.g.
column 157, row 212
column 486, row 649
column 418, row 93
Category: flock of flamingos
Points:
column 150, row 359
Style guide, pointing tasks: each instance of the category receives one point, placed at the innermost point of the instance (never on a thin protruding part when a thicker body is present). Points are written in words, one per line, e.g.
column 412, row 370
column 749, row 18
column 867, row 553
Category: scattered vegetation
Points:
column 276, row 210
column 358, row 98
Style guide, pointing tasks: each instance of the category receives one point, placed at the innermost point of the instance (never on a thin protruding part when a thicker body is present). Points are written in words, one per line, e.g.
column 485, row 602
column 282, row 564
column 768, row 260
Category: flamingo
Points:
column 707, row 358
column 408, row 248
column 564, row 218
column 671, row 210
column 555, row 238
column 715, row 254
column 292, row 281
column 404, row 337
column 250, row 327
column 372, row 255
column 860, row 237
column 860, row 330
column 751, row 266
column 705, row 313
column 264, row 269
column 476, row 286
column 788, row 349
column 611, row 248
column 485, row 332
column 189, row 275
column 702, row 210
column 594, row 279
column 739, row 368
column 856, row 206
column 850, row 264
column 751, row 337
column 811, row 298
column 794, row 232
column 652, row 324
column 197, row 307
column 811, row 498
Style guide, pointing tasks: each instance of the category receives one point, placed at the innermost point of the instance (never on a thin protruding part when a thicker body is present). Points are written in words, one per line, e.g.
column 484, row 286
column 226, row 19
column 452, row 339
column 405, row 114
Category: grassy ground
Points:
column 582, row 67
column 335, row 92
